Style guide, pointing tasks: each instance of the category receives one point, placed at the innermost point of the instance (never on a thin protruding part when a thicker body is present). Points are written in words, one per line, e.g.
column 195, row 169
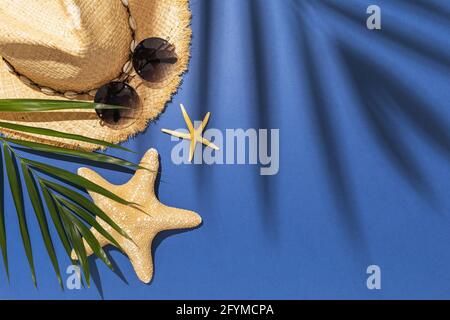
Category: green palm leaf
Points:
column 56, row 219
column 77, row 242
column 40, row 215
column 88, row 218
column 84, row 203
column 70, row 212
column 40, row 105
column 90, row 239
column 2, row 223
column 59, row 134
column 94, row 156
column 16, row 191
column 76, row 180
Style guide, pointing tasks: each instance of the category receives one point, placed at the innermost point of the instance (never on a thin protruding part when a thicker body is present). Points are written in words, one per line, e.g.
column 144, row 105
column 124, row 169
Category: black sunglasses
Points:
column 153, row 60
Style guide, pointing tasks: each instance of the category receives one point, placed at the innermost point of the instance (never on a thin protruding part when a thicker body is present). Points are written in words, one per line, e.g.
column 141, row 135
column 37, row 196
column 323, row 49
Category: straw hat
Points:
column 67, row 49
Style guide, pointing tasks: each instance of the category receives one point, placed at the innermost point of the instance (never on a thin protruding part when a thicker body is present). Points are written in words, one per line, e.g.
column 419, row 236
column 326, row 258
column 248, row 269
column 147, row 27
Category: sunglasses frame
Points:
column 103, row 97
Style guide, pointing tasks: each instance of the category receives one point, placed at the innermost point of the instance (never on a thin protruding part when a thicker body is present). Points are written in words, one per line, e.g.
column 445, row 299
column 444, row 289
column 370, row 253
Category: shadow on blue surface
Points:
column 261, row 90
column 332, row 157
column 95, row 274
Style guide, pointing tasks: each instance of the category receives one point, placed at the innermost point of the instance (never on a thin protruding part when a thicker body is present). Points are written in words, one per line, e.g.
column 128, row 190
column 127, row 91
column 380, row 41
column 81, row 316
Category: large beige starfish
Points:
column 195, row 135
column 141, row 227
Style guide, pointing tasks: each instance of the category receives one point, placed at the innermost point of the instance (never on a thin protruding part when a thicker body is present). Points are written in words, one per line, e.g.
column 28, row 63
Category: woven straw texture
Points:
column 79, row 45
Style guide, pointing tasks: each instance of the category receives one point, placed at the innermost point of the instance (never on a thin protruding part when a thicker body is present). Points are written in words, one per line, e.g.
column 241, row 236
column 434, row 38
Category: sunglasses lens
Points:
column 118, row 94
column 154, row 59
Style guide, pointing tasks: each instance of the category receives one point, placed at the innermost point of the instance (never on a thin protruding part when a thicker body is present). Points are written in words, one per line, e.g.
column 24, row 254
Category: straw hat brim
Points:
column 167, row 19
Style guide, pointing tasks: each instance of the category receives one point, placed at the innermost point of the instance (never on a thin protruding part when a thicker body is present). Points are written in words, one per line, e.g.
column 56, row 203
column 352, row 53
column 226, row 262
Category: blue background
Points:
column 364, row 160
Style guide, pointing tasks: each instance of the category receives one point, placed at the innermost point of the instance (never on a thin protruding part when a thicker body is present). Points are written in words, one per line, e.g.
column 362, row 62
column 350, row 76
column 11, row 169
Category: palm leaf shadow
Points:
column 408, row 41
column 95, row 274
column 382, row 98
column 263, row 106
column 332, row 157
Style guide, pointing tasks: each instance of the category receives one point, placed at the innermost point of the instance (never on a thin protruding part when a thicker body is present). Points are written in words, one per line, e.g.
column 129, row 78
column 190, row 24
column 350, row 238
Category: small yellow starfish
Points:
column 194, row 135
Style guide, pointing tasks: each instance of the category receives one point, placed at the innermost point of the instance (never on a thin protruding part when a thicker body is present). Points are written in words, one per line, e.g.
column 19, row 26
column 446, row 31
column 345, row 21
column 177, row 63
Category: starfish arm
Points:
column 141, row 259
column 192, row 149
column 97, row 179
column 141, row 185
column 208, row 143
column 150, row 161
column 181, row 135
column 174, row 218
column 187, row 119
column 205, row 121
